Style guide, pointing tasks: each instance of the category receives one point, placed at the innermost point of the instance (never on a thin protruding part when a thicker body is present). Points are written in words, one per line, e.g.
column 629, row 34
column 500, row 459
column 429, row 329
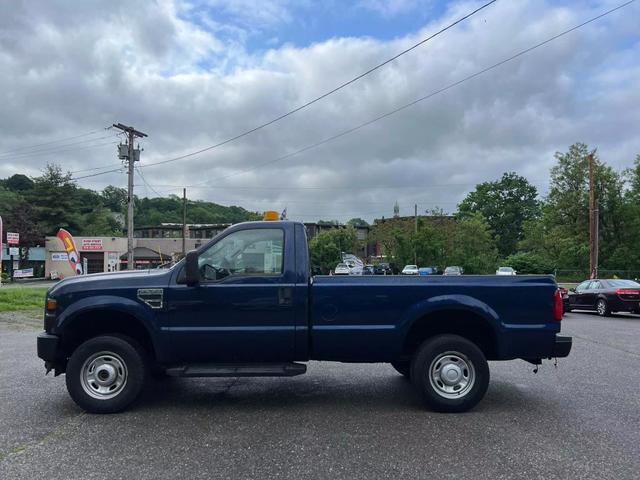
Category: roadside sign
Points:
column 59, row 257
column 25, row 272
column 13, row 238
column 91, row 244
column 14, row 251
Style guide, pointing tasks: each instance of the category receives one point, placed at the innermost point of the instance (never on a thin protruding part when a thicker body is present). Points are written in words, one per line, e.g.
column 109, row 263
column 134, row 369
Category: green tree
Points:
column 18, row 183
column 325, row 248
column 357, row 222
column 562, row 235
column 100, row 221
column 115, row 198
column 528, row 262
column 473, row 246
column 626, row 255
column 53, row 197
column 506, row 205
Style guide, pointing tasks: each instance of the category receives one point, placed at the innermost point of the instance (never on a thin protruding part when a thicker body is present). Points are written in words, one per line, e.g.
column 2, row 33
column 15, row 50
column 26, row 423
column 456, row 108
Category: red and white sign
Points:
column 13, row 238
column 91, row 244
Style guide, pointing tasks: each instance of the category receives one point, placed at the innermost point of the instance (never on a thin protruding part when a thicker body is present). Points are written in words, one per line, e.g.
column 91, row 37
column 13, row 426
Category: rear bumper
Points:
column 48, row 347
column 620, row 305
column 562, row 346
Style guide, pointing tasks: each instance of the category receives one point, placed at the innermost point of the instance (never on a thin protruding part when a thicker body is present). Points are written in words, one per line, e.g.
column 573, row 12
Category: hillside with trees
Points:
column 39, row 206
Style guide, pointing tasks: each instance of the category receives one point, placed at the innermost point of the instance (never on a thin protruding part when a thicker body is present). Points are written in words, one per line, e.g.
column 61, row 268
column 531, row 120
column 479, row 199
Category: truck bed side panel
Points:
column 367, row 318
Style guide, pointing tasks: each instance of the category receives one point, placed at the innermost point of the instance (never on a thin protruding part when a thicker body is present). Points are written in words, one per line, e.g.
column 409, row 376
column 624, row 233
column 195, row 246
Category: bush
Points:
column 526, row 262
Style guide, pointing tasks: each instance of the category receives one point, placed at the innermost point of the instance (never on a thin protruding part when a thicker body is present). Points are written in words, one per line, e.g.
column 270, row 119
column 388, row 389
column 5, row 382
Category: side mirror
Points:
column 192, row 273
column 572, row 290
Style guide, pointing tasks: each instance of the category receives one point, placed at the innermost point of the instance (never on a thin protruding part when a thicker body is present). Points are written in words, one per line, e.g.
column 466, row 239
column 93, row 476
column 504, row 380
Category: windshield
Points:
column 506, row 269
column 411, row 267
column 342, row 265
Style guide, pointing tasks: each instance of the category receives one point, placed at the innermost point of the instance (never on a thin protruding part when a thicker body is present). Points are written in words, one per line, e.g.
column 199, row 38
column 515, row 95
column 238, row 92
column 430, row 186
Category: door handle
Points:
column 285, row 296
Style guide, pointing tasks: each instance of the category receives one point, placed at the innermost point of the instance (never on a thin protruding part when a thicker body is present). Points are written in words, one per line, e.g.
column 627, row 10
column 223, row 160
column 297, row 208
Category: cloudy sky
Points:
column 192, row 74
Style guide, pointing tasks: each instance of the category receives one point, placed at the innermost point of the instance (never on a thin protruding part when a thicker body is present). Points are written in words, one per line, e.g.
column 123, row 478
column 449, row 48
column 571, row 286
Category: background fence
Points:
column 576, row 276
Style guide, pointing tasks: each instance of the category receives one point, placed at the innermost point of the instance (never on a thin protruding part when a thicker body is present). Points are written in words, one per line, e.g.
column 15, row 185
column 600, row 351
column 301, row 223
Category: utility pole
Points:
column 184, row 222
column 415, row 231
column 593, row 222
column 132, row 156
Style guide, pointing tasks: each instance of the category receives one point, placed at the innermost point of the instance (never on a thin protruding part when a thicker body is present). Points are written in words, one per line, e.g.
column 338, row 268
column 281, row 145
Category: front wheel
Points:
column 450, row 373
column 105, row 374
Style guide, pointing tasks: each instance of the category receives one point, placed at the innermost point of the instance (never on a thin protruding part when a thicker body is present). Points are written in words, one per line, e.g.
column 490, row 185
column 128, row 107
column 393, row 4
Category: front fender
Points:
column 449, row 302
column 111, row 303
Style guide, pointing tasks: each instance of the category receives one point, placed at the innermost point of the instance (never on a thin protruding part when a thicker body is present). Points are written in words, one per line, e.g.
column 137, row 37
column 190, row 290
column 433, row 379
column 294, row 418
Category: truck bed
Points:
column 366, row 318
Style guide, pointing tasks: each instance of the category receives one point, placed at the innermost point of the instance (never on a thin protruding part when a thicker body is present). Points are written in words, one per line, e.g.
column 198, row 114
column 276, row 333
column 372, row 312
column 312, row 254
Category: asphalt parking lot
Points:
column 581, row 420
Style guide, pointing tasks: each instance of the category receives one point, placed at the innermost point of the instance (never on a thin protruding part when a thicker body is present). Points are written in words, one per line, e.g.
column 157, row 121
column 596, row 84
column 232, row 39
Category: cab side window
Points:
column 246, row 252
column 595, row 285
column 583, row 286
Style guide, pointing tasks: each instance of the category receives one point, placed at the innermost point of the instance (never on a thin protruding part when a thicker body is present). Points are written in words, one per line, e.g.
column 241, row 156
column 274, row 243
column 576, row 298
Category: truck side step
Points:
column 290, row 369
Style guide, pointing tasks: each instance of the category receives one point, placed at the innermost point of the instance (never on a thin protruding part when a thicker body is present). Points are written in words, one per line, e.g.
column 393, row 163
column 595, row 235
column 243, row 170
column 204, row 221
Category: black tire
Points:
column 470, row 358
column 602, row 307
column 126, row 365
column 403, row 368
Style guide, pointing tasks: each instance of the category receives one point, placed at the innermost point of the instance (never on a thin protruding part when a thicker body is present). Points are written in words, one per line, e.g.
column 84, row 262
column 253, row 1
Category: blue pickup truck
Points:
column 245, row 304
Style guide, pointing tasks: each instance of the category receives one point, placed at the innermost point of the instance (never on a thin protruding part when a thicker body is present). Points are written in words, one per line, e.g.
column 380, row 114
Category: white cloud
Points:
column 72, row 68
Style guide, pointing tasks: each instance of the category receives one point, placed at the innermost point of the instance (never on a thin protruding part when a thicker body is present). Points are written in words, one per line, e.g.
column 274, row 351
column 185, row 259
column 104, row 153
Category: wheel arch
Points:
column 107, row 316
column 458, row 315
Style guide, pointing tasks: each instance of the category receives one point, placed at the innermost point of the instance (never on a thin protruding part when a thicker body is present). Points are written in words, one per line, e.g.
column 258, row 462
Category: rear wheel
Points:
column 403, row 368
column 105, row 374
column 450, row 373
column 603, row 308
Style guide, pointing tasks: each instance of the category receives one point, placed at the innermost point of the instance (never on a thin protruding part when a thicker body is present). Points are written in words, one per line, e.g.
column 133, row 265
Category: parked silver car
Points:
column 410, row 270
column 454, row 270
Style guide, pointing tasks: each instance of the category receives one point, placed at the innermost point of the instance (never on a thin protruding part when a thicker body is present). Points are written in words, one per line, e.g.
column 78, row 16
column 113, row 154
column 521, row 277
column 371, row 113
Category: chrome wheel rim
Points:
column 103, row 375
column 601, row 307
column 452, row 375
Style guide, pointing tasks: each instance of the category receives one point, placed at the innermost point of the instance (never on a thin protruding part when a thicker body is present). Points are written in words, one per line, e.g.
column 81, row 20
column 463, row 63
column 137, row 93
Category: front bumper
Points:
column 562, row 346
column 48, row 347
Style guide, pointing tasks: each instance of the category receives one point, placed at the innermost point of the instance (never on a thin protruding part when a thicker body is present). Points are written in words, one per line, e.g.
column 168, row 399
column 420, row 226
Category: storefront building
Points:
column 109, row 254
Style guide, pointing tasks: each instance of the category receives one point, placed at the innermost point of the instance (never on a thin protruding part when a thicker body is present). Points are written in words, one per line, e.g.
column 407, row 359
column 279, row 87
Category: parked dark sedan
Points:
column 606, row 296
column 382, row 269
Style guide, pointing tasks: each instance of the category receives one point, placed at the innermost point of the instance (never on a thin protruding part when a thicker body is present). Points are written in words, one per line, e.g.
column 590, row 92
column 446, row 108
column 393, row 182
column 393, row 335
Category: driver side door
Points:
column 242, row 308
column 577, row 299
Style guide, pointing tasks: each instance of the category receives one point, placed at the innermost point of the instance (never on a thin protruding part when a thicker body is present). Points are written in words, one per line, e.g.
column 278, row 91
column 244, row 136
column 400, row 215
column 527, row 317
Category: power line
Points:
column 55, row 141
column 62, row 151
column 100, row 173
column 324, row 95
column 59, row 148
column 144, row 180
column 421, row 99
column 97, row 168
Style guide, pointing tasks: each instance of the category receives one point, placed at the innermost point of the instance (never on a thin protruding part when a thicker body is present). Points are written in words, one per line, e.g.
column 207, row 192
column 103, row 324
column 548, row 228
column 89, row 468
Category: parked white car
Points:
column 342, row 269
column 355, row 265
column 410, row 270
column 505, row 271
